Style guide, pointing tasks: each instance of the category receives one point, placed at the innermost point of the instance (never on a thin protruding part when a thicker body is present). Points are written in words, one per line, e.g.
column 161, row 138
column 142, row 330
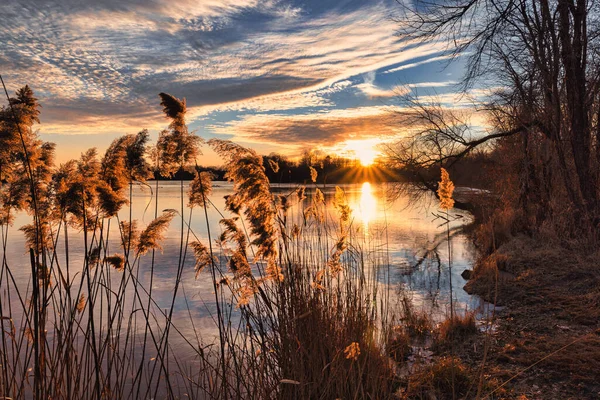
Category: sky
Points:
column 275, row 75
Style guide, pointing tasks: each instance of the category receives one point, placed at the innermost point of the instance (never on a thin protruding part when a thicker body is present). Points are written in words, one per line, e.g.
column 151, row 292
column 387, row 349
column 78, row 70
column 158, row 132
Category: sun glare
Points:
column 364, row 150
column 368, row 203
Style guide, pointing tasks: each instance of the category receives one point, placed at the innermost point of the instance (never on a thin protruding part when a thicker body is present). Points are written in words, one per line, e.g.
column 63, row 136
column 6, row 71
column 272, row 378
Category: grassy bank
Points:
column 547, row 340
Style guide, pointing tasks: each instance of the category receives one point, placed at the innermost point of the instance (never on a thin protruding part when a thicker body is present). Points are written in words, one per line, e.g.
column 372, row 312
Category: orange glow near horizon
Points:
column 364, row 150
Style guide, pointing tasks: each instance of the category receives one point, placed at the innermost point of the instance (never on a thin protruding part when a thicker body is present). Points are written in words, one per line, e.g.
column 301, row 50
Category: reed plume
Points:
column 319, row 197
column 313, row 174
column 17, row 137
column 317, row 282
column 130, row 234
column 252, row 190
column 283, row 203
column 334, row 264
column 172, row 106
column 26, row 162
column 81, row 303
column 238, row 261
column 80, row 187
column 202, row 255
column 37, row 237
column 445, row 190
column 151, row 237
column 274, row 271
column 66, row 191
column 136, row 166
column 274, row 166
column 124, row 162
column 301, row 193
column 341, row 204
column 94, row 256
column 352, row 351
column 246, row 292
column 21, row 188
column 176, row 147
column 113, row 165
column 200, row 188
column 117, row 261
column 27, row 106
column 110, row 202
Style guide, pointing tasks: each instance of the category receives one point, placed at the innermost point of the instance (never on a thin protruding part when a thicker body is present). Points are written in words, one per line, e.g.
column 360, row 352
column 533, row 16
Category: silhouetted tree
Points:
column 543, row 54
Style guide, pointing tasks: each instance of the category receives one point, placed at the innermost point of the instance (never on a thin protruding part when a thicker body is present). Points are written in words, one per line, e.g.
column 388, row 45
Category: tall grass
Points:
column 298, row 311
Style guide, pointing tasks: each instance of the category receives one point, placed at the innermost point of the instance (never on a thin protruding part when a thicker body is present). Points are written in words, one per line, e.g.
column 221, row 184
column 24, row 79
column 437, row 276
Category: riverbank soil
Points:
column 545, row 341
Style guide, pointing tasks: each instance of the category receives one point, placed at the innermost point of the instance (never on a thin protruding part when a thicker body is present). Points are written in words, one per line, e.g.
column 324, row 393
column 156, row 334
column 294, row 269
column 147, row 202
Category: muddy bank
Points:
column 546, row 344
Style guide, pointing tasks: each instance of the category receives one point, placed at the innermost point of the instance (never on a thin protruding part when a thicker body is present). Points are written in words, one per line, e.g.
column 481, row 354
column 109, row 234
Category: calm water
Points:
column 406, row 243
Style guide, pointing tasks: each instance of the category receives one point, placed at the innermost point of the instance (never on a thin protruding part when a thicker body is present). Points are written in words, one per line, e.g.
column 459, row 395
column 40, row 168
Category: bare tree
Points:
column 544, row 54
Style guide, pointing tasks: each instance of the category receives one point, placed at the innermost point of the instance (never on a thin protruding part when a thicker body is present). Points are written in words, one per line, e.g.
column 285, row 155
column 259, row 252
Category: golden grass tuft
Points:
column 327, row 343
column 437, row 381
column 457, row 328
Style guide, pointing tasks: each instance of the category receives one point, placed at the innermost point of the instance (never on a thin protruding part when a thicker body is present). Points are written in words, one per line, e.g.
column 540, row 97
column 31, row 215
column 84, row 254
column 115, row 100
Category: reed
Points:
column 298, row 311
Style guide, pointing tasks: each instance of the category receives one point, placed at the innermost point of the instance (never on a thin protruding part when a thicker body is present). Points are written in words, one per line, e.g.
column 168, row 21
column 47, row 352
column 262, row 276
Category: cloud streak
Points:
column 309, row 130
column 97, row 66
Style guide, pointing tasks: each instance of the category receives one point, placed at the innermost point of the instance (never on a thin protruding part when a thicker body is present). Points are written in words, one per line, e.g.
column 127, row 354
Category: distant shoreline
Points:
column 301, row 175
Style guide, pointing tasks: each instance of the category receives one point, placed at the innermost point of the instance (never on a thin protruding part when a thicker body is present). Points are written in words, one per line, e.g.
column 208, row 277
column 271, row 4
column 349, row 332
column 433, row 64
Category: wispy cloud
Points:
column 313, row 129
column 403, row 67
column 298, row 67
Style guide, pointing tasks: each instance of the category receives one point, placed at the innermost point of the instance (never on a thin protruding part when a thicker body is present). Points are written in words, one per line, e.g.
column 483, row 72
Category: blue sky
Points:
column 276, row 75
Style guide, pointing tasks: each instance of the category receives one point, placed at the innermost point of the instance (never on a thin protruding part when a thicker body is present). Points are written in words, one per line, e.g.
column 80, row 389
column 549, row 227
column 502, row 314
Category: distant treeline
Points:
column 329, row 169
column 473, row 171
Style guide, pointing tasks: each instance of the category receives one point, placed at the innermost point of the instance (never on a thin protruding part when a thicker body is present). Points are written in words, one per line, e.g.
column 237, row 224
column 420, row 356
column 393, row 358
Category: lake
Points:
column 409, row 237
column 403, row 244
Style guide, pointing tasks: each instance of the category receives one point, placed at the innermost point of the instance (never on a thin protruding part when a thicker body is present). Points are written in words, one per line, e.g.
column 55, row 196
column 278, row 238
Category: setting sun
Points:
column 364, row 150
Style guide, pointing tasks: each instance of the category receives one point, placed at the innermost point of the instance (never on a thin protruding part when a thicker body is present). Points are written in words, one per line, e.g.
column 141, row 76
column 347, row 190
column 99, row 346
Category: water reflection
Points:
column 404, row 244
column 366, row 208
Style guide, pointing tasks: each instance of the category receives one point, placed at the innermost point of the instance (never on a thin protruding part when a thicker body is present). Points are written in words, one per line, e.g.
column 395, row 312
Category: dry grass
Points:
column 417, row 323
column 496, row 229
column 456, row 329
column 439, row 380
column 312, row 341
column 547, row 336
column 399, row 344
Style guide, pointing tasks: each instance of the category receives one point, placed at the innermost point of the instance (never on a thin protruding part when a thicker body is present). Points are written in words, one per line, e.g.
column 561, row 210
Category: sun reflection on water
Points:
column 366, row 209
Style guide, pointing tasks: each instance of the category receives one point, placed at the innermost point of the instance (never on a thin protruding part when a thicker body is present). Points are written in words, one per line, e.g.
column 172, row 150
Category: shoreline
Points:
column 546, row 344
